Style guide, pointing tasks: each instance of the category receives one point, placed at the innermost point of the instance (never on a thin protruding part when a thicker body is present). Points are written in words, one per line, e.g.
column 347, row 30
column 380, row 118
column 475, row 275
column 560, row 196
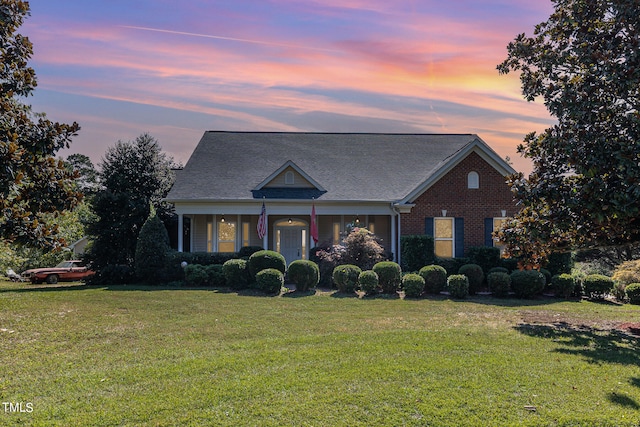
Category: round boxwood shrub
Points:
column 596, row 286
column 368, row 282
column 527, row 283
column 564, row 284
column 633, row 293
column 195, row 275
column 236, row 273
column 270, row 280
column 389, row 276
column 458, row 286
column 435, row 278
column 499, row 270
column 304, row 273
column 475, row 274
column 499, row 284
column 264, row 259
column 346, row 277
column 413, row 285
column 215, row 275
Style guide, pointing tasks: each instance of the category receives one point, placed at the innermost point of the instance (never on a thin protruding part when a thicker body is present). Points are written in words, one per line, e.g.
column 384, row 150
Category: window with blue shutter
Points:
column 459, row 237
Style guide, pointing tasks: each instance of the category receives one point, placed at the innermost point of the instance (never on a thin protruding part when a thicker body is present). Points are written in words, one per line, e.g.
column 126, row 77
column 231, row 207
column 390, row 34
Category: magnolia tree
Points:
column 584, row 62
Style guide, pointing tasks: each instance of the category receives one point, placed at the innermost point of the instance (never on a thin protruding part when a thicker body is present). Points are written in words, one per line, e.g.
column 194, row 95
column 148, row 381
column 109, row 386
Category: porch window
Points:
column 209, row 234
column 245, row 234
column 226, row 236
column 443, row 237
column 336, row 233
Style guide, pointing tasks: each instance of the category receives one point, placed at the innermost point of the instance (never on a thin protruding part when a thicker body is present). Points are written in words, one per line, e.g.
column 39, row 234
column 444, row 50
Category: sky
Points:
column 175, row 69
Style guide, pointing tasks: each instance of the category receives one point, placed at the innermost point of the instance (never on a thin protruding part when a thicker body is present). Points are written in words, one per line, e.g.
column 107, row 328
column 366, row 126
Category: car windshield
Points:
column 66, row 264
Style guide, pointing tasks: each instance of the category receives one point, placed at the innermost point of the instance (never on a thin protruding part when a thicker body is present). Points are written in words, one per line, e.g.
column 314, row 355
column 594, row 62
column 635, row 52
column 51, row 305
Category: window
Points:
column 289, row 178
column 245, row 234
column 443, row 237
column 226, row 236
column 473, row 180
column 336, row 233
column 209, row 234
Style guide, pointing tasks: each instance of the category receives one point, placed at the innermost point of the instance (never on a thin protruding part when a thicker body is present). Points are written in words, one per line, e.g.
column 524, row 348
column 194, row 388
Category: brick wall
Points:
column 451, row 193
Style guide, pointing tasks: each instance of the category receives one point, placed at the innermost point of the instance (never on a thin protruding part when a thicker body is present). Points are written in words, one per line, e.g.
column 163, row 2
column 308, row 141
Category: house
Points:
column 450, row 186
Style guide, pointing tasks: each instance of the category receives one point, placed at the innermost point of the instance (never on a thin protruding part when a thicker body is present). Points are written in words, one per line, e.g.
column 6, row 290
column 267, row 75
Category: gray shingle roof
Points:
column 349, row 166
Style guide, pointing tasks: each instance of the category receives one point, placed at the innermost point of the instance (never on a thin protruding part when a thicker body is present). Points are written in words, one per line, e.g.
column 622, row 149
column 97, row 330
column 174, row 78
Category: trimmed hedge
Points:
column 236, row 273
column 476, row 276
column 195, row 275
column 527, row 283
column 389, row 276
column 435, row 278
column 413, row 285
column 173, row 270
column 417, row 251
column 563, row 284
column 487, row 257
column 368, row 282
column 304, row 273
column 265, row 259
column 499, row 284
column 346, row 277
column 633, row 293
column 596, row 286
column 458, row 286
column 270, row 280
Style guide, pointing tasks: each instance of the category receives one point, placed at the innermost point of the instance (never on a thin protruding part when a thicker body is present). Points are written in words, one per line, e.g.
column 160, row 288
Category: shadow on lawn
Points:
column 595, row 345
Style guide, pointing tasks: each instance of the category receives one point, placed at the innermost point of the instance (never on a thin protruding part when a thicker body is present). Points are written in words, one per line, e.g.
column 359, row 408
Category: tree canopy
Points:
column 584, row 62
column 34, row 185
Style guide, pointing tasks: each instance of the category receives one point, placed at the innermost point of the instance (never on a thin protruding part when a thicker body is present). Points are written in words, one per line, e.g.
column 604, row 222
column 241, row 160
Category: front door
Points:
column 291, row 240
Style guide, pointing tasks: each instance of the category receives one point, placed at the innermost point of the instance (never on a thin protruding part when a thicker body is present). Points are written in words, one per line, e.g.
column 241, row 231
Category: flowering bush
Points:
column 363, row 249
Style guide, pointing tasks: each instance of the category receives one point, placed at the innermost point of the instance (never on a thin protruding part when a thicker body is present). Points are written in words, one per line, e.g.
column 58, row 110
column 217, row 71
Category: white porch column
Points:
column 180, row 232
column 394, row 238
column 265, row 239
column 399, row 243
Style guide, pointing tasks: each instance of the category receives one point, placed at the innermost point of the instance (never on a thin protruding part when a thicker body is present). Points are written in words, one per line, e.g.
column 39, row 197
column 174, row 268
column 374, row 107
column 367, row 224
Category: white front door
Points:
column 291, row 240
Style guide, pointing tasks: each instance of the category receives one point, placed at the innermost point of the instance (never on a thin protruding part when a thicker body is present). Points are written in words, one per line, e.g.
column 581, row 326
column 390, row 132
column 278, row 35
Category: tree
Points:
column 34, row 185
column 151, row 249
column 585, row 184
column 134, row 175
column 87, row 175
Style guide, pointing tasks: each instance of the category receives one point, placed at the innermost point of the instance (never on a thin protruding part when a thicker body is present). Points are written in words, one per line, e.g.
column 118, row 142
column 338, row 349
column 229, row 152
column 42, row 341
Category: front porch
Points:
column 228, row 227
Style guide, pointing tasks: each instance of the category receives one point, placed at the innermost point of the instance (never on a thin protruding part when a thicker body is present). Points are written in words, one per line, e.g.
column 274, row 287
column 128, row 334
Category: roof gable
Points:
column 289, row 175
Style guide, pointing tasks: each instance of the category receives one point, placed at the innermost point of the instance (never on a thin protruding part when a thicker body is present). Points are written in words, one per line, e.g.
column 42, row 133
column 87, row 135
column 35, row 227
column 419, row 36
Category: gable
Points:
column 289, row 178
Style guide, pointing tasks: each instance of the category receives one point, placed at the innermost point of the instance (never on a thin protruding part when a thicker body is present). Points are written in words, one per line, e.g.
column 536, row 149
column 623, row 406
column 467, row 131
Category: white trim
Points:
column 282, row 207
column 477, row 146
column 295, row 167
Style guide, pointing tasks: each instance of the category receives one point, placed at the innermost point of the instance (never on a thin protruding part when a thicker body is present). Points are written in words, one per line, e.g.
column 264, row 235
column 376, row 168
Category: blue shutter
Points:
column 459, row 237
column 488, row 230
column 428, row 226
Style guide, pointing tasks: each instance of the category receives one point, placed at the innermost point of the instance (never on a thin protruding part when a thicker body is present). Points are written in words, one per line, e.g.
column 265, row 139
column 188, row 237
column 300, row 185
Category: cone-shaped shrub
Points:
column 151, row 250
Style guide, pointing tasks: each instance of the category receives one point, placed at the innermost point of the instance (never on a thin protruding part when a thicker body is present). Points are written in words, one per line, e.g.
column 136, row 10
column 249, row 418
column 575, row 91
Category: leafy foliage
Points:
column 389, row 275
column 564, row 284
column 304, row 273
column 270, row 280
column 417, row 251
column 458, row 286
column 633, row 293
column 264, row 259
column 596, row 286
column 135, row 175
column 236, row 273
column 413, row 285
column 34, row 185
column 499, row 283
column 151, row 250
column 475, row 274
column 368, row 282
column 627, row 272
column 435, row 278
column 346, row 277
column 527, row 283
column 363, row 249
column 585, row 183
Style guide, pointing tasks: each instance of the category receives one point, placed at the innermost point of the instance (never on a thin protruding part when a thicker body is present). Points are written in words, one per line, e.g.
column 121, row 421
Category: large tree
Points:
column 34, row 185
column 134, row 176
column 584, row 190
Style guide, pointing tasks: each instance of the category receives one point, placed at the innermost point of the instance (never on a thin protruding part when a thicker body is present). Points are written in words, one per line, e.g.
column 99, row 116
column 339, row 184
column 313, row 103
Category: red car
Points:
column 66, row 271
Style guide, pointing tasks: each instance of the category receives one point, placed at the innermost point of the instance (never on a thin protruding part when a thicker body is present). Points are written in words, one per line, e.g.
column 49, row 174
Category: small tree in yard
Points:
column 151, row 249
column 363, row 249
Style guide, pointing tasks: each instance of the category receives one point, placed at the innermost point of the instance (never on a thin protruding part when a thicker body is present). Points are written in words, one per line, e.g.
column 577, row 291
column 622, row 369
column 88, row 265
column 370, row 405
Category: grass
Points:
column 134, row 356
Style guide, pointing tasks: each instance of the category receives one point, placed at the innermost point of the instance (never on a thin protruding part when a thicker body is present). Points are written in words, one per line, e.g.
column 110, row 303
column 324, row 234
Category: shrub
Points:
column 564, row 284
column 458, row 286
column 499, row 270
column 633, row 293
column 151, row 250
column 527, row 283
column 363, row 249
column 627, row 272
column 247, row 251
column 560, row 262
column 547, row 276
column 413, row 285
column 327, row 258
column 304, row 273
column 368, row 282
column 435, row 278
column 452, row 265
column 265, row 259
column 619, row 291
column 113, row 274
column 596, row 286
column 417, row 251
column 236, row 273
column 346, row 277
column 195, row 275
column 389, row 276
column 486, row 257
column 215, row 276
column 499, row 283
column 173, row 270
column 270, row 280
column 475, row 274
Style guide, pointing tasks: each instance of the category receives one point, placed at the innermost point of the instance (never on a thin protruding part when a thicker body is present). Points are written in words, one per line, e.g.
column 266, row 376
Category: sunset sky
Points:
column 175, row 69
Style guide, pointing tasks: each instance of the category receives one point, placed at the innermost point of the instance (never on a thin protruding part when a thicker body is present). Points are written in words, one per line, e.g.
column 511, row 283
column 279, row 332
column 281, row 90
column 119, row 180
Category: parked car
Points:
column 66, row 271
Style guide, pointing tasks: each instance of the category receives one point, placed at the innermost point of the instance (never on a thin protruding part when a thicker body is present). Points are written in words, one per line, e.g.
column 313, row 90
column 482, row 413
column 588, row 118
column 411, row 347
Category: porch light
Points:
column 357, row 220
column 222, row 219
column 444, row 212
column 290, row 220
column 504, row 213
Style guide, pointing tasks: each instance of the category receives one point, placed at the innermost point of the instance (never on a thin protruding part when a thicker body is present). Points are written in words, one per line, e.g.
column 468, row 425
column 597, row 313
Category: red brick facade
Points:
column 452, row 194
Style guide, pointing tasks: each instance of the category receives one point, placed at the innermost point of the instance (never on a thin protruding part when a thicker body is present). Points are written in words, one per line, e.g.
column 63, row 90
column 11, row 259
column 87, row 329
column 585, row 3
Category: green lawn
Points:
column 131, row 356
